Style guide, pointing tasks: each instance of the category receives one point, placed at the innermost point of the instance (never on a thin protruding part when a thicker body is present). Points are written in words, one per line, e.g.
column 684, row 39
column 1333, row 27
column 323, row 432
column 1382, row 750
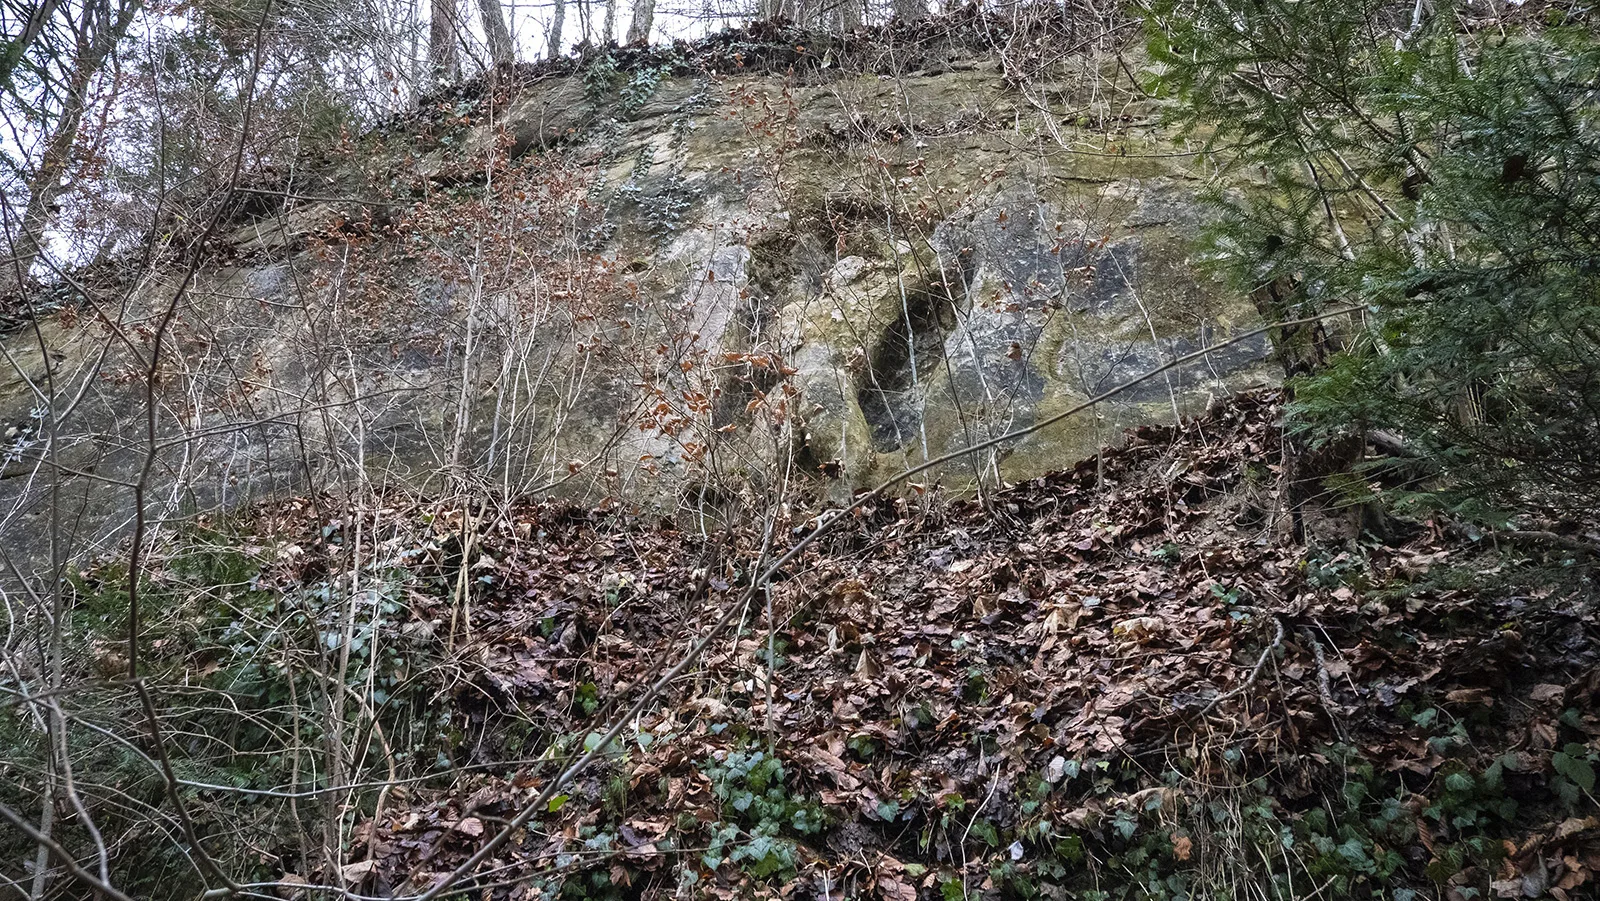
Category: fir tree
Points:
column 1447, row 180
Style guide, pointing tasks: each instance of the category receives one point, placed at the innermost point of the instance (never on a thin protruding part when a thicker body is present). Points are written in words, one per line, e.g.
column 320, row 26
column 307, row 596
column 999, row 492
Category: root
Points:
column 1255, row 672
column 1325, row 684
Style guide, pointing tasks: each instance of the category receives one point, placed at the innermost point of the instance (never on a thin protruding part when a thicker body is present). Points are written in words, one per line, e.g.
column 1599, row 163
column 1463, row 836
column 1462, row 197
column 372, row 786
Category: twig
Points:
column 60, row 854
column 170, row 783
column 1324, row 682
column 462, row 606
column 1553, row 539
column 136, row 551
column 1255, row 671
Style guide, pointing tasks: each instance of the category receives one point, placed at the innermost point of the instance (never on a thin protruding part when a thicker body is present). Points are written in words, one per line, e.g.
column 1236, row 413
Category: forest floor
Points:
column 1124, row 680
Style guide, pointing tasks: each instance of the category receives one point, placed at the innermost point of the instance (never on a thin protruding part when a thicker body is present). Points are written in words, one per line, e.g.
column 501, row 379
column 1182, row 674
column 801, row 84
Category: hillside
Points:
column 1121, row 680
column 1050, row 450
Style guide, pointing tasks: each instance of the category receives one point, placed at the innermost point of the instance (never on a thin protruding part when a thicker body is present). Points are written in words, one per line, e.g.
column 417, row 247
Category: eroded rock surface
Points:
column 658, row 288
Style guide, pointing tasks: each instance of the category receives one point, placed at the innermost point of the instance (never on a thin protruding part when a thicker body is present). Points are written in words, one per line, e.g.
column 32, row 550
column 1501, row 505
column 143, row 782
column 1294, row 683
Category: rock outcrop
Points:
column 656, row 287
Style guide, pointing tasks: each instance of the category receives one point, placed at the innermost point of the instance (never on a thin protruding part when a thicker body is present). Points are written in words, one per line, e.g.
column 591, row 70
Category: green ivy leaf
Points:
column 1125, row 826
column 985, row 830
column 1574, row 767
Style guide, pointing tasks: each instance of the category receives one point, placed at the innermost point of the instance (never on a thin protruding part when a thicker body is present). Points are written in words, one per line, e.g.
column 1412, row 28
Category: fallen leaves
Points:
column 935, row 662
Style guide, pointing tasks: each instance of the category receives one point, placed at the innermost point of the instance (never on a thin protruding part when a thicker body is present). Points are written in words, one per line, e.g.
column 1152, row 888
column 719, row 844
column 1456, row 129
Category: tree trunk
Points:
column 496, row 33
column 1304, row 349
column 644, row 14
column 611, row 23
column 443, row 55
column 557, row 19
column 908, row 10
column 848, row 14
column 17, row 49
column 44, row 190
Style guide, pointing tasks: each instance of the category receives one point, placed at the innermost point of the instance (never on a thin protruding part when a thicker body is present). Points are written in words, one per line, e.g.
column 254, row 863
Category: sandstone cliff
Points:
column 656, row 284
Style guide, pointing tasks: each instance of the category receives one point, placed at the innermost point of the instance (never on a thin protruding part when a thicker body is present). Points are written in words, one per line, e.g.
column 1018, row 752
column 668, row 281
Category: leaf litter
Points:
column 1010, row 697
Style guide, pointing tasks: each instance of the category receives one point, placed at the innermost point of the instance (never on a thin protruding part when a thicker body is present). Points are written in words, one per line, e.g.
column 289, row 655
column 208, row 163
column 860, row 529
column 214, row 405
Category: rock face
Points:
column 659, row 288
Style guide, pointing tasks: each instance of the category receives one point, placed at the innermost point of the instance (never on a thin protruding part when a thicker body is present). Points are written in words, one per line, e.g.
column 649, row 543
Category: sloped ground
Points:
column 1118, row 681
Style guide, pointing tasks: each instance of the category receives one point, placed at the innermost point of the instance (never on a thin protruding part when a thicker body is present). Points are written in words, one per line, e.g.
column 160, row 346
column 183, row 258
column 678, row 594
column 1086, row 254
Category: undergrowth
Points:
column 368, row 698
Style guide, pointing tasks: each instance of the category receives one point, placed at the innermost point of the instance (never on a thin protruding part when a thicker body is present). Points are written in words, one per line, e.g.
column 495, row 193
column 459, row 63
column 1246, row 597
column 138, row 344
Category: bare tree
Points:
column 848, row 14
column 495, row 32
column 444, row 56
column 32, row 30
column 558, row 18
column 644, row 13
column 94, row 35
column 909, row 10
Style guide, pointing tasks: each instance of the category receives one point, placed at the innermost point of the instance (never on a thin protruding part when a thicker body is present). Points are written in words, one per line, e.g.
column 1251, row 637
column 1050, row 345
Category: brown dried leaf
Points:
column 1545, row 692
